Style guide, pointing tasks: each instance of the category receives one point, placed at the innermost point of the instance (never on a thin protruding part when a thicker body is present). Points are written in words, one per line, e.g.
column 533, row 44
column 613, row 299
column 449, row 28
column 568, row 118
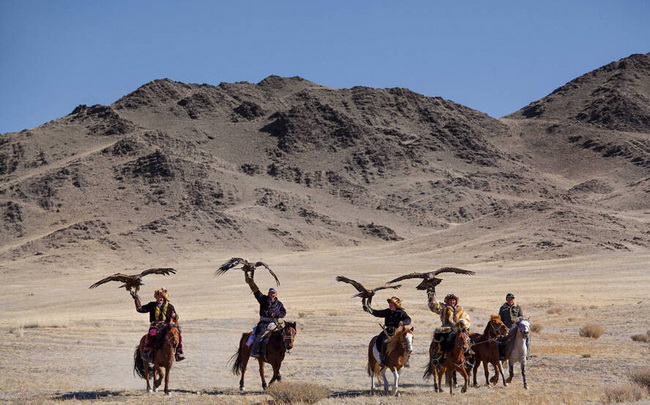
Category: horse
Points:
column 516, row 349
column 454, row 361
column 486, row 350
column 164, row 350
column 398, row 350
column 280, row 341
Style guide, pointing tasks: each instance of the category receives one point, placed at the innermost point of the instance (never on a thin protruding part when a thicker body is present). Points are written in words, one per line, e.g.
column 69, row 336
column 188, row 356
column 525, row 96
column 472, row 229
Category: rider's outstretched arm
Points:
column 251, row 283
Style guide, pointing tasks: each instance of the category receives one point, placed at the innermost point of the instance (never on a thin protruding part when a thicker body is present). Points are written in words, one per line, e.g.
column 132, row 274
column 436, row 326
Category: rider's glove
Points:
column 134, row 294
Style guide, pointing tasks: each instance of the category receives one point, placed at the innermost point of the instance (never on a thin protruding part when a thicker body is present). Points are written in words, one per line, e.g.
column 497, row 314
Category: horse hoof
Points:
column 526, row 386
column 168, row 393
column 149, row 390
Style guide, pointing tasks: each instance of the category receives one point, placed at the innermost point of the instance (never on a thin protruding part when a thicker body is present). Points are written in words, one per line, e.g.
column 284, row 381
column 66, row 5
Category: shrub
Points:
column 642, row 378
column 536, row 327
column 592, row 330
column 624, row 393
column 554, row 310
column 641, row 338
column 297, row 392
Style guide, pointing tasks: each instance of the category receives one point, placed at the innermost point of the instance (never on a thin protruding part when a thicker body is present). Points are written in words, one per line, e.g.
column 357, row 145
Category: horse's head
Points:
column 523, row 326
column 462, row 340
column 289, row 334
column 496, row 327
column 408, row 338
column 173, row 336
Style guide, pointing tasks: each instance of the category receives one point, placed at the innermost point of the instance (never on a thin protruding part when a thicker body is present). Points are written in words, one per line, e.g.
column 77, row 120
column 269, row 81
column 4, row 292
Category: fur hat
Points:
column 396, row 301
column 161, row 292
column 450, row 296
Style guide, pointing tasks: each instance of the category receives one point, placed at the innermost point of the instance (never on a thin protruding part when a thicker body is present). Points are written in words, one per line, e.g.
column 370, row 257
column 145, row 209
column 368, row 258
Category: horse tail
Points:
column 138, row 363
column 238, row 363
column 428, row 371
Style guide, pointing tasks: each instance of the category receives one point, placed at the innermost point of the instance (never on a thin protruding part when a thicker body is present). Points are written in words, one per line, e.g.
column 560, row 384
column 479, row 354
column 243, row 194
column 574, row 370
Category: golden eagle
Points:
column 430, row 281
column 135, row 281
column 365, row 293
column 246, row 267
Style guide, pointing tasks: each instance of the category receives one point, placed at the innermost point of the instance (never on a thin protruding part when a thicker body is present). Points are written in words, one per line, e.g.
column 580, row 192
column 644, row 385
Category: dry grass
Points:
column 642, row 378
column 554, row 311
column 592, row 330
column 641, row 338
column 297, row 392
column 624, row 393
column 536, row 327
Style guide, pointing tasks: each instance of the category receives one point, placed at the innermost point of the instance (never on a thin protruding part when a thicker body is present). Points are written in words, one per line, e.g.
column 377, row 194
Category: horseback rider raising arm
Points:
column 271, row 309
column 161, row 313
column 452, row 317
column 394, row 316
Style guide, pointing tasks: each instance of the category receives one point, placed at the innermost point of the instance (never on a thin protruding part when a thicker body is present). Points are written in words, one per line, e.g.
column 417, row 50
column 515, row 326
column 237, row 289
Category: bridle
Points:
column 288, row 337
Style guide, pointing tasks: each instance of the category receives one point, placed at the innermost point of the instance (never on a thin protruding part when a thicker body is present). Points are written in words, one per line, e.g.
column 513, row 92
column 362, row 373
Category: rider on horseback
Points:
column 271, row 309
column 509, row 313
column 161, row 313
column 452, row 316
column 394, row 316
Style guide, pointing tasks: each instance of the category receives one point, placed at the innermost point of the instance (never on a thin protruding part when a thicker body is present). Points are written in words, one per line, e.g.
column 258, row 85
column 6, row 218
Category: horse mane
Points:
column 395, row 341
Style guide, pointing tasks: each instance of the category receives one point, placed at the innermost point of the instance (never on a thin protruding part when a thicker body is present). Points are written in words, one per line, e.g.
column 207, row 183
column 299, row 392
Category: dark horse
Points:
column 453, row 361
column 164, row 350
column 486, row 350
column 280, row 341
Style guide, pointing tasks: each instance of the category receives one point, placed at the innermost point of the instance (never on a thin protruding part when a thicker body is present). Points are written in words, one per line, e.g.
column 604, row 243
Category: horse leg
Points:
column 523, row 372
column 395, row 381
column 147, row 376
column 383, row 376
column 510, row 371
column 449, row 374
column 157, row 377
column 494, row 380
column 261, row 362
column 466, row 377
column 276, row 373
column 498, row 368
column 167, row 369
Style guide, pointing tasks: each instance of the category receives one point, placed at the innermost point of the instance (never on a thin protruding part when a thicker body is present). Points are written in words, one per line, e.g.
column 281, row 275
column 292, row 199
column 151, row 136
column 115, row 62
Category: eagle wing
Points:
column 383, row 287
column 407, row 276
column 270, row 271
column 124, row 278
column 159, row 270
column 228, row 265
column 453, row 270
column 355, row 284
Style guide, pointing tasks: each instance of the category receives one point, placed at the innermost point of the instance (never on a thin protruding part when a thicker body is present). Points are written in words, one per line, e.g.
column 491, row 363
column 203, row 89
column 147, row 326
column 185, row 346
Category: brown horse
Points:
column 164, row 350
column 453, row 361
column 280, row 341
column 398, row 349
column 486, row 350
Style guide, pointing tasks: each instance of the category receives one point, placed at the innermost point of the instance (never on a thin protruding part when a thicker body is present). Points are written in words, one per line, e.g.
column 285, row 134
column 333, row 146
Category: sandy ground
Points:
column 62, row 341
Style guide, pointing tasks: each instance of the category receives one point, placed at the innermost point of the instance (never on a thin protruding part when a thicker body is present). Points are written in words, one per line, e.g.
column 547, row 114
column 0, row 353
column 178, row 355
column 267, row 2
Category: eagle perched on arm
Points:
column 364, row 293
column 430, row 281
column 133, row 282
column 246, row 267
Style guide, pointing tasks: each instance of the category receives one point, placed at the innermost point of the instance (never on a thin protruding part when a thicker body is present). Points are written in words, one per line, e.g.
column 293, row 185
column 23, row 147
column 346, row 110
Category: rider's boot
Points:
column 179, row 356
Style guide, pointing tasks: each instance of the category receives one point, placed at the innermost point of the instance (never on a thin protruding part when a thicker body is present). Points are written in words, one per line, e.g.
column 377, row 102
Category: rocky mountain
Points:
column 287, row 164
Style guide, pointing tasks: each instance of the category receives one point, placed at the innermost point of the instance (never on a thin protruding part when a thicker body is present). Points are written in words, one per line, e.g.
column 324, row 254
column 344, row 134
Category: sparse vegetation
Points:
column 592, row 330
column 624, row 393
column 554, row 311
column 297, row 392
column 642, row 378
column 536, row 327
column 641, row 338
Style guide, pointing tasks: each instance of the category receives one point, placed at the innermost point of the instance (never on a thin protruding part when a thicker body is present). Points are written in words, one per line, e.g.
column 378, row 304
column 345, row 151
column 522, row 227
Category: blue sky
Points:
column 493, row 56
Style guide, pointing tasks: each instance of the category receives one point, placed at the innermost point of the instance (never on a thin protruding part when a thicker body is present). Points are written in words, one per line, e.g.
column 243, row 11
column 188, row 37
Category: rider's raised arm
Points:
column 251, row 283
column 136, row 301
column 434, row 305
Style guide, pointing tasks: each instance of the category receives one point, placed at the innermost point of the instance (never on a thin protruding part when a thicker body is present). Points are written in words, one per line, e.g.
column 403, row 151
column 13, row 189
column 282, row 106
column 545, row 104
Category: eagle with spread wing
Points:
column 133, row 282
column 430, row 281
column 246, row 267
column 365, row 293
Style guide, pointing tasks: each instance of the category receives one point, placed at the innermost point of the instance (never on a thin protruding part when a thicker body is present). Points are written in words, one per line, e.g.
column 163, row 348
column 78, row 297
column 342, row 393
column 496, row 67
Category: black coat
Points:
column 270, row 308
column 392, row 318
